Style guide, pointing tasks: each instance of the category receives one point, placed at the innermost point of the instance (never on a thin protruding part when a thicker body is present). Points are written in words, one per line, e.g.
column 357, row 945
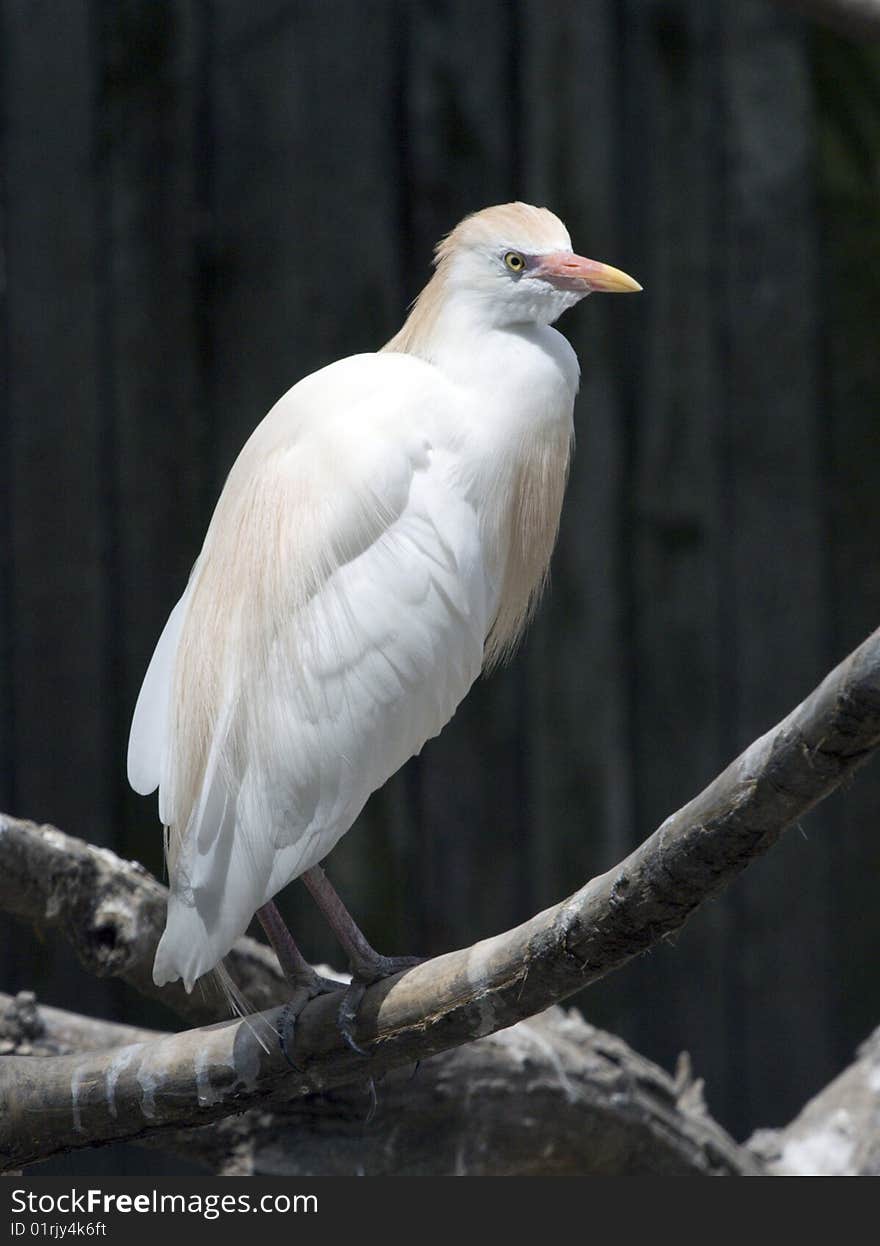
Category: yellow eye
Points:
column 514, row 261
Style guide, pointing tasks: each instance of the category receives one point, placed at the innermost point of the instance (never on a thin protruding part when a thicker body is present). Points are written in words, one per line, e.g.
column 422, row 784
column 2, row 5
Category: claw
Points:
column 384, row 967
column 302, row 995
column 352, row 1044
column 388, row 966
column 347, row 1015
column 285, row 1035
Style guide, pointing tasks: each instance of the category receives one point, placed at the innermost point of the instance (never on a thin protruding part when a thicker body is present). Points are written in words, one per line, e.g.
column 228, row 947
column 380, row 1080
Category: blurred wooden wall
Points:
column 204, row 200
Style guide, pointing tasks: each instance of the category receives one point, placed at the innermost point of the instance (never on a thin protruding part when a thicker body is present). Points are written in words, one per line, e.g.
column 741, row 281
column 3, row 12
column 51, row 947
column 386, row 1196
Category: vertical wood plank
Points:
column 57, row 495
column 156, row 388
column 7, row 612
column 57, row 445
column 579, row 756
column 669, row 538
column 304, row 201
column 775, row 626
column 849, row 139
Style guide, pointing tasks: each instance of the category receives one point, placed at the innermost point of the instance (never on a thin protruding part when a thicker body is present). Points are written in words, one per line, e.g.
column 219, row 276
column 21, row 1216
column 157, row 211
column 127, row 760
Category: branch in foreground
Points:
column 201, row 1075
column 113, row 913
column 551, row 1096
column 548, row 1096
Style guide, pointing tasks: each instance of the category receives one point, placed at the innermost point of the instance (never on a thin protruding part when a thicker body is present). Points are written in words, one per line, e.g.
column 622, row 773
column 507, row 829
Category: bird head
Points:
column 516, row 264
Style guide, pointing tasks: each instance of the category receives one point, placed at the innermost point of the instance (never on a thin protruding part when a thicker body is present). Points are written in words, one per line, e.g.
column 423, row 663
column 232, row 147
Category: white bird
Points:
column 382, row 537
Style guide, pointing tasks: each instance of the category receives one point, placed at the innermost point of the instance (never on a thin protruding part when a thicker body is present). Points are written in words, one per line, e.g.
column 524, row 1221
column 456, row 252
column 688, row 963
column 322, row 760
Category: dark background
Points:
column 202, row 201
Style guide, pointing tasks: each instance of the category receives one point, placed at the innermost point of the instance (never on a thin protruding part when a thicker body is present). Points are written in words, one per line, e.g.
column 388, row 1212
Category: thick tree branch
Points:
column 29, row 1030
column 195, row 1077
column 548, row 1096
column 113, row 913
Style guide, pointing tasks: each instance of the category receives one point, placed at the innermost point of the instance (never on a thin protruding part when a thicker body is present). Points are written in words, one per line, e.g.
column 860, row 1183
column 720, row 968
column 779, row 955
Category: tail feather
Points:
column 236, row 1001
column 148, row 740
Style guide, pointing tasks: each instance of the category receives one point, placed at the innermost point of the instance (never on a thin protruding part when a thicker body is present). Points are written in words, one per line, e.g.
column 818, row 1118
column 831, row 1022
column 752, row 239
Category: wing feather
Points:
column 335, row 619
column 149, row 727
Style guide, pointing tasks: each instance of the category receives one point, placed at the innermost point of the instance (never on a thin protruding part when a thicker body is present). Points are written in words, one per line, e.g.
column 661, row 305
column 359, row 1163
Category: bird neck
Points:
column 426, row 326
column 518, row 383
column 448, row 321
column 459, row 331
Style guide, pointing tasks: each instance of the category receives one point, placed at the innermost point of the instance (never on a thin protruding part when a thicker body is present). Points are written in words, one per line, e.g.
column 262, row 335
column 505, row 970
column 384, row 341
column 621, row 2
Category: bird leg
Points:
column 367, row 965
column 296, row 969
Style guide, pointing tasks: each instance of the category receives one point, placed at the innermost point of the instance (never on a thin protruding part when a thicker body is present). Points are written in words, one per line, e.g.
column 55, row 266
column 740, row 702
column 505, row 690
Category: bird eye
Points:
column 514, row 261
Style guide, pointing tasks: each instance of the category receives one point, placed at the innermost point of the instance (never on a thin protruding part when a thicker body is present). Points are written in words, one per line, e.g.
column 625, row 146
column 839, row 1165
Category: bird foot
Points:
column 385, row 967
column 363, row 976
column 304, row 991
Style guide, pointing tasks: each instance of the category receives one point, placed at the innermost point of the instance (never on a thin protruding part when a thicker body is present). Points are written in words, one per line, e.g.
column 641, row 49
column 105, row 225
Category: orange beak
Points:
column 574, row 272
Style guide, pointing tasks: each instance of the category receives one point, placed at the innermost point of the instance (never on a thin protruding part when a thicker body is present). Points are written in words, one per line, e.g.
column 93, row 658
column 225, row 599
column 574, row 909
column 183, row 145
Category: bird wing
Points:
column 333, row 622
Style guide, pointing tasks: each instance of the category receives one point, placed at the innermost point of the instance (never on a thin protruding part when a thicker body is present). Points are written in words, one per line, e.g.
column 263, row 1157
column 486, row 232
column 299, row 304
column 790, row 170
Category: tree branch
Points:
column 28, row 1030
column 191, row 1078
column 113, row 913
column 836, row 1134
column 549, row 1096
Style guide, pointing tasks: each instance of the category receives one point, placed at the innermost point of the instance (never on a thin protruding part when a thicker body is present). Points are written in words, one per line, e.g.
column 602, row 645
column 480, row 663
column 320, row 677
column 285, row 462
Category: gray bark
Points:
column 837, row 1134
column 549, row 1096
column 113, row 913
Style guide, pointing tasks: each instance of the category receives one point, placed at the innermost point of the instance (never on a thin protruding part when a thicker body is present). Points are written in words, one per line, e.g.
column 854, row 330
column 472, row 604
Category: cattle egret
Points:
column 382, row 537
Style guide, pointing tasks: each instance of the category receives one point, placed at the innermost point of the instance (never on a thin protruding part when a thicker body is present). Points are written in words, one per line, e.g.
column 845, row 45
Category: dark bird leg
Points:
column 296, row 969
column 367, row 965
